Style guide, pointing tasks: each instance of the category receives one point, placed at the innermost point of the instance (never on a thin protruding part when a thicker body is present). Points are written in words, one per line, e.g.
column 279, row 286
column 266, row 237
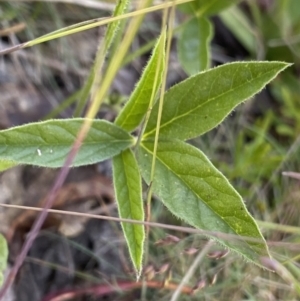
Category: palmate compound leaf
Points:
column 195, row 191
column 200, row 103
column 135, row 109
column 48, row 143
column 128, row 189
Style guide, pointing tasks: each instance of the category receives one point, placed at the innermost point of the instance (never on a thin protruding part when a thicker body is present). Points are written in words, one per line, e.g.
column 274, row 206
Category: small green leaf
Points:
column 48, row 143
column 200, row 103
column 135, row 109
column 128, row 189
column 3, row 257
column 193, row 45
column 207, row 7
column 195, row 191
column 113, row 27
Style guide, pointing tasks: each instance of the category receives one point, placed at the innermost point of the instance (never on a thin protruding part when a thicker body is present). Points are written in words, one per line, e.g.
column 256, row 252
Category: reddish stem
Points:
column 104, row 289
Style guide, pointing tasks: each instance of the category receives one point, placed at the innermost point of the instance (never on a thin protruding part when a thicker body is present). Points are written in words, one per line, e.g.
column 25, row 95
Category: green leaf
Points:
column 113, row 27
column 201, row 102
column 128, row 189
column 48, row 143
column 195, row 191
column 193, row 45
column 135, row 109
column 3, row 257
column 4, row 165
column 207, row 7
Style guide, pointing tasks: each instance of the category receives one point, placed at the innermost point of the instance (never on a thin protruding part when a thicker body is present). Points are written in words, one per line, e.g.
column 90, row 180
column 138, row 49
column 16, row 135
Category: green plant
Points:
column 196, row 33
column 180, row 174
column 186, row 181
column 272, row 33
column 3, row 257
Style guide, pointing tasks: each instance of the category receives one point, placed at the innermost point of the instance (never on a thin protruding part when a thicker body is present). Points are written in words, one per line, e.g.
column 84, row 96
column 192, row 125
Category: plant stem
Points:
column 191, row 270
